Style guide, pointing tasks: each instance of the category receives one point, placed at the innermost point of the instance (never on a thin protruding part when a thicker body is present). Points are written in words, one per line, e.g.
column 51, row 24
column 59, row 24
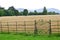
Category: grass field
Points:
column 28, row 18
column 22, row 37
column 12, row 21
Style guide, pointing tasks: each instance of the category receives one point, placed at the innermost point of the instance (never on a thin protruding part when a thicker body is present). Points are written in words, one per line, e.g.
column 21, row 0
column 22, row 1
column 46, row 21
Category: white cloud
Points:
column 6, row 3
column 30, row 4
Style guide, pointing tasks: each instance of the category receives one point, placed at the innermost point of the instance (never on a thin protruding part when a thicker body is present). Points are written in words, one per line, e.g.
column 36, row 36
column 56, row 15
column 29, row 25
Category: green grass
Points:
column 23, row 37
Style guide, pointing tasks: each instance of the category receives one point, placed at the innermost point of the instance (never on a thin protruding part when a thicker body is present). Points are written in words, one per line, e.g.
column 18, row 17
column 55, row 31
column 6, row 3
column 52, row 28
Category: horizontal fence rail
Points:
column 39, row 27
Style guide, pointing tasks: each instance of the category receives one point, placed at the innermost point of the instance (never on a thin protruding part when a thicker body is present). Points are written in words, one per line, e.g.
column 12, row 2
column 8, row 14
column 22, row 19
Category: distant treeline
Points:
column 11, row 11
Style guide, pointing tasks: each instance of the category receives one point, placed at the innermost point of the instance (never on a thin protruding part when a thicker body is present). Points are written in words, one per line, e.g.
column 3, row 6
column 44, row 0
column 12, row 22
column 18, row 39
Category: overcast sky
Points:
column 30, row 4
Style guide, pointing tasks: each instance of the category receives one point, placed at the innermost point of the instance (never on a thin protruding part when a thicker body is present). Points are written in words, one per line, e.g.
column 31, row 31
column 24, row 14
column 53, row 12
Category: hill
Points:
column 40, row 10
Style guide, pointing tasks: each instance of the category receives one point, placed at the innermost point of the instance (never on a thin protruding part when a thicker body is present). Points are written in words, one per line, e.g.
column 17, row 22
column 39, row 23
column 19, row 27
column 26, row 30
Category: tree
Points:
column 6, row 13
column 52, row 13
column 20, row 13
column 25, row 12
column 44, row 11
column 35, row 12
column 17, row 12
column 2, row 11
column 12, row 11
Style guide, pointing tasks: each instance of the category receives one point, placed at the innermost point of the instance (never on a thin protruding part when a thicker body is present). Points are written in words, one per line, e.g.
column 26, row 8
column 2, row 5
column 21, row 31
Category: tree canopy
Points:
column 44, row 11
column 25, row 12
column 11, row 11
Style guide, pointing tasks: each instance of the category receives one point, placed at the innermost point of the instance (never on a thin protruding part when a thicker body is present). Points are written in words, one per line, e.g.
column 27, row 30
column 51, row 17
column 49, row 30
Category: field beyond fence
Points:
column 39, row 27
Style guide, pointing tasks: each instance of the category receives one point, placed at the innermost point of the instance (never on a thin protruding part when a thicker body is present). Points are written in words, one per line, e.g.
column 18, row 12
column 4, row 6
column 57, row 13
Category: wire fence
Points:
column 40, row 27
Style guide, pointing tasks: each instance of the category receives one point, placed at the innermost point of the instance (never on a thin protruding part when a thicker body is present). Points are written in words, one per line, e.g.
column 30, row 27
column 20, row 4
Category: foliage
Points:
column 25, row 12
column 52, row 13
column 11, row 11
column 44, row 11
column 2, row 11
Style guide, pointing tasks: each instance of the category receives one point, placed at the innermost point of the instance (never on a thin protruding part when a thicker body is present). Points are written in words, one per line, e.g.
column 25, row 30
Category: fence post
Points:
column 16, row 27
column 49, row 27
column 35, row 29
column 8, row 27
column 25, row 27
column 58, row 26
column 1, row 27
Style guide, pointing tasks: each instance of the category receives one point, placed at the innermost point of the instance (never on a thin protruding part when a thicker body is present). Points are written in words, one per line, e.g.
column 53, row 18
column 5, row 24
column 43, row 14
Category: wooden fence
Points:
column 35, row 27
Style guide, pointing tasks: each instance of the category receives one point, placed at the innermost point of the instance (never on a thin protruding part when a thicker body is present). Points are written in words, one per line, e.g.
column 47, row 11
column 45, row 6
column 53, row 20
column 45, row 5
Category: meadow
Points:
column 42, row 26
column 22, row 37
column 30, row 18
